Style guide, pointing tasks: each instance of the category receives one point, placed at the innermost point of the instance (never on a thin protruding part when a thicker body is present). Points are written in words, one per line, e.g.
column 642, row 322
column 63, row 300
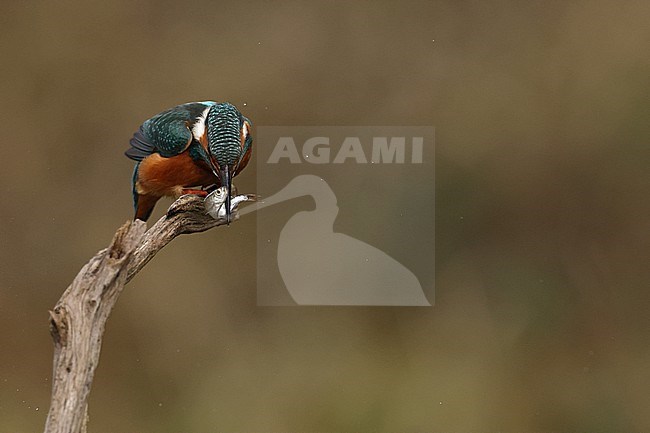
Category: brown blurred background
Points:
column 541, row 111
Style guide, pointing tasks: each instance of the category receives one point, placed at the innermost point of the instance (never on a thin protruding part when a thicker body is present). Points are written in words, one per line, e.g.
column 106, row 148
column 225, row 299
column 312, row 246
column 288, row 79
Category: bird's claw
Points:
column 215, row 201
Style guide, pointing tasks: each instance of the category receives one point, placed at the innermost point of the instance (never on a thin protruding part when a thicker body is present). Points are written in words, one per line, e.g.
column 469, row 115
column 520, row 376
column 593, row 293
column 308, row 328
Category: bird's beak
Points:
column 227, row 181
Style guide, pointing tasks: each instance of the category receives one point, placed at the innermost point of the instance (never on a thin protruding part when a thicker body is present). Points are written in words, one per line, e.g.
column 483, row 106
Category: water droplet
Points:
column 259, row 43
column 245, row 104
column 440, row 403
column 266, row 108
column 36, row 408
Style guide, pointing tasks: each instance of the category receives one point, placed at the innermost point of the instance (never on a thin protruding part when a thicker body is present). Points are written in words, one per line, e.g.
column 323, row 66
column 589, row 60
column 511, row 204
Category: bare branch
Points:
column 77, row 321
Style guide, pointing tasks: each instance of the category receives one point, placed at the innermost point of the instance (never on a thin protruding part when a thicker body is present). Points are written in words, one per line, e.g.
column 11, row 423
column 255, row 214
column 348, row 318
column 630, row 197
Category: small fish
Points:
column 215, row 203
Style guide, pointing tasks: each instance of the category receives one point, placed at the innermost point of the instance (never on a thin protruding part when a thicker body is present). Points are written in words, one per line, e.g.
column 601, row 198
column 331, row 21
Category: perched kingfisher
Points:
column 187, row 150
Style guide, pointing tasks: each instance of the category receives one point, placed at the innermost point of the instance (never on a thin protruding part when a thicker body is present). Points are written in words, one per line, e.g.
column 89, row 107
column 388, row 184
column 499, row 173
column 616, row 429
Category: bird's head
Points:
column 228, row 142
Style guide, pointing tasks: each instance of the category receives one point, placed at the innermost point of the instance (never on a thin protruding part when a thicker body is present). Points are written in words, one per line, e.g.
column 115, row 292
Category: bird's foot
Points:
column 199, row 192
column 215, row 203
column 213, row 188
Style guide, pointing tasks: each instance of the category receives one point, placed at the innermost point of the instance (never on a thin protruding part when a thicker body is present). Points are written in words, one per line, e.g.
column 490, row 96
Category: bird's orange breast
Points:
column 168, row 176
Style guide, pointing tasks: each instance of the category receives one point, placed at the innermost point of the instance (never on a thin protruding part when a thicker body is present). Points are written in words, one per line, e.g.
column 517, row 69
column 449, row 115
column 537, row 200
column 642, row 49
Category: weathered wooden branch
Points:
column 77, row 321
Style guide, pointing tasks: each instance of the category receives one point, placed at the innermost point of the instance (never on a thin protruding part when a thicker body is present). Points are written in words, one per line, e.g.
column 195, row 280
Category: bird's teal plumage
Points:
column 134, row 179
column 223, row 124
column 170, row 131
column 198, row 153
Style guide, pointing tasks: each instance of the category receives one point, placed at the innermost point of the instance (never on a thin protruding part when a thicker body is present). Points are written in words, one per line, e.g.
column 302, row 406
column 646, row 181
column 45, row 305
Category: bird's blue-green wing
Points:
column 167, row 133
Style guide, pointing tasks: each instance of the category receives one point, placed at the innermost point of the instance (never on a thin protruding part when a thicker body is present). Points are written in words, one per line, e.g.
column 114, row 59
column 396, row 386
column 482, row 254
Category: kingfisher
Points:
column 188, row 149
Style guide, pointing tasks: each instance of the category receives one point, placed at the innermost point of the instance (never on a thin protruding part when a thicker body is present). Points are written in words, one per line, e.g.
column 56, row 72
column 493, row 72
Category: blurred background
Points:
column 541, row 315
